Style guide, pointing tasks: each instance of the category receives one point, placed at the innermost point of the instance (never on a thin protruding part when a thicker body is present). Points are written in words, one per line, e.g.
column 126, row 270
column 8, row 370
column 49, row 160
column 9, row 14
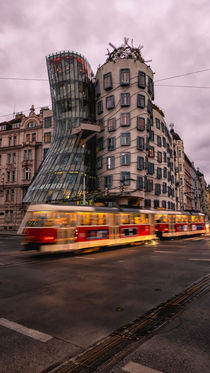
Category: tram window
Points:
column 181, row 219
column 145, row 218
column 85, row 218
column 161, row 218
column 129, row 232
column 125, row 219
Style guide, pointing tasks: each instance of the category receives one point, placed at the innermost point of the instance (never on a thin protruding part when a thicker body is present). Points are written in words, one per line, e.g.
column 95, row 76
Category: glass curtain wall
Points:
column 60, row 176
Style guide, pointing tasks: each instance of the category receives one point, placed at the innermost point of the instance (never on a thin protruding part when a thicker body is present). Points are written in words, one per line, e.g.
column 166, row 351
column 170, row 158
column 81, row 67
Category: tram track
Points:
column 104, row 354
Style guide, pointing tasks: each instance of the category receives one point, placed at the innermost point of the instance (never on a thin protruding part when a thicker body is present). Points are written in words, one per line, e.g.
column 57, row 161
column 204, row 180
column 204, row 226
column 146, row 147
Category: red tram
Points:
column 51, row 228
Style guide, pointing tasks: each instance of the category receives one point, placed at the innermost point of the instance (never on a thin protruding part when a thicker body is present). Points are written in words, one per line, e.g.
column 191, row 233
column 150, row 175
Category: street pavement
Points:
column 76, row 301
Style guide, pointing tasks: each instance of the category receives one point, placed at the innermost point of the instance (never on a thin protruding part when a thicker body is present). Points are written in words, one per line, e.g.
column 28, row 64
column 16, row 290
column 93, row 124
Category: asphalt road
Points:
column 54, row 307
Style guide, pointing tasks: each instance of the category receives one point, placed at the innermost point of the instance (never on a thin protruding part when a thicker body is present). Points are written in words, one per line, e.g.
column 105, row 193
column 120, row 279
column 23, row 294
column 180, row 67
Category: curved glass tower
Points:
column 69, row 160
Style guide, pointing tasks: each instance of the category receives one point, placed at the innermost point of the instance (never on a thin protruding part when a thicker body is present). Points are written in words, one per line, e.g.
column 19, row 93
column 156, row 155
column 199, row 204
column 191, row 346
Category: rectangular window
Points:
column 140, row 101
column 125, row 178
column 162, row 127
column 99, row 163
column 164, row 204
column 164, row 187
column 165, row 172
column 125, row 138
column 140, row 163
column 158, row 140
column 47, row 137
column 108, row 181
column 111, row 143
column 7, row 195
column 159, row 173
column 29, row 154
column 47, row 122
column 124, row 76
column 98, row 89
column 100, row 107
column 147, row 203
column 3, row 127
column 13, row 176
column 125, row 119
column 156, row 203
column 45, row 150
column 110, row 163
column 108, row 81
column 164, row 141
column 12, row 195
column 111, row 124
column 139, row 184
column 100, row 123
column 9, row 141
column 140, row 124
column 151, row 136
column 125, row 99
column 14, row 140
column 151, row 151
column 8, row 158
column 159, row 157
column 140, row 143
column 150, row 168
column 8, row 176
column 157, row 122
column 141, row 79
column 16, row 125
column 14, row 157
column 125, row 159
column 164, row 157
column 149, row 106
column 33, row 136
column 149, row 185
column 100, row 143
column 110, row 102
column 157, row 189
column 0, row 141
column 28, row 137
column 150, row 87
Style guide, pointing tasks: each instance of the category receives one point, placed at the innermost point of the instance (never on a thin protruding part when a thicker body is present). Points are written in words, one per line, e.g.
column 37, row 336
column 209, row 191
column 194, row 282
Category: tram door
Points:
column 114, row 226
column 172, row 221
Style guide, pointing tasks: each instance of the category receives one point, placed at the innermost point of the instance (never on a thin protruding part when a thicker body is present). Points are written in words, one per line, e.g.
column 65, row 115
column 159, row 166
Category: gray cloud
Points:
column 175, row 35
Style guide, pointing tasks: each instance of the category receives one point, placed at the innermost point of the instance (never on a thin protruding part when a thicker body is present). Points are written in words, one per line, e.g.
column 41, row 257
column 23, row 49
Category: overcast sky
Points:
column 175, row 35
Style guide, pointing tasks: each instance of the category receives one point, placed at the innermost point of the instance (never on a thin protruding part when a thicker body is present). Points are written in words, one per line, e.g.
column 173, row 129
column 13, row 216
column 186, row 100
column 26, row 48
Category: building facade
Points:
column 134, row 148
column 68, row 167
column 22, row 141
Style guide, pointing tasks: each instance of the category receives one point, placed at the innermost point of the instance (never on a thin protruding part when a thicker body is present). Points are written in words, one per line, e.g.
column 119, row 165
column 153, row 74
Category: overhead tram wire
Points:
column 179, row 76
column 181, row 86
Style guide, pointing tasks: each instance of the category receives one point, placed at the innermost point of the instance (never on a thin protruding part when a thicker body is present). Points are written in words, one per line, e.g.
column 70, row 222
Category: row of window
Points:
column 124, row 80
column 11, row 175
column 159, row 204
column 125, row 100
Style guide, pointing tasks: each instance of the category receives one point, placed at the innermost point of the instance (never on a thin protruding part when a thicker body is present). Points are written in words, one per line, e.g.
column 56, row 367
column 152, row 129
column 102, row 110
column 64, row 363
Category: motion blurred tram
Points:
column 51, row 228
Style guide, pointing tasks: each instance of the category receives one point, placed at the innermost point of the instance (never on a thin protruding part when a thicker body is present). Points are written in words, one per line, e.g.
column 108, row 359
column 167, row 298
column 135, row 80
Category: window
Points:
column 45, row 150
column 141, row 79
column 110, row 163
column 98, row 89
column 47, row 122
column 47, row 137
column 140, row 101
column 156, row 203
column 125, row 119
column 140, row 124
column 157, row 122
column 33, row 137
column 14, row 140
column 139, row 183
column 100, row 123
column 9, row 141
column 164, row 157
column 8, row 176
column 16, row 125
column 8, row 158
column 150, row 86
column 111, row 143
column 140, row 163
column 164, row 141
column 125, row 138
column 165, row 172
column 149, row 106
column 0, row 141
column 140, row 143
column 149, row 185
column 108, row 181
column 151, row 151
column 125, row 99
column 124, row 76
column 7, row 195
column 3, row 127
column 159, row 173
column 125, row 178
column 148, row 125
column 147, row 203
column 99, row 163
column 158, row 140
column 157, row 189
column 159, row 157
column 151, row 135
column 0, row 159
column 12, row 195
column 26, row 173
column 111, row 124
column 107, row 81
column 29, row 154
column 100, row 107
column 125, row 159
column 31, row 124
column 162, row 127
column 28, row 137
column 150, row 168
column 164, row 204
column 110, row 102
column 13, row 176
column 100, row 143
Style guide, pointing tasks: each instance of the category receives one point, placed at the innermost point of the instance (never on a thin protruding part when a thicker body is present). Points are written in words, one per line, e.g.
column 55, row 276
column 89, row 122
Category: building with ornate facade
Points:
column 24, row 141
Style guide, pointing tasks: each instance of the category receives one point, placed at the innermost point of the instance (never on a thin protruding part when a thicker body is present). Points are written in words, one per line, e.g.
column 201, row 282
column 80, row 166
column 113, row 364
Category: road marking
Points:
column 200, row 259
column 35, row 334
column 165, row 251
column 132, row 367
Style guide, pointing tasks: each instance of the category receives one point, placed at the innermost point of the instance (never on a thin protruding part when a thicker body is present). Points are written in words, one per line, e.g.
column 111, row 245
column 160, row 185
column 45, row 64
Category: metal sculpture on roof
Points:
column 125, row 51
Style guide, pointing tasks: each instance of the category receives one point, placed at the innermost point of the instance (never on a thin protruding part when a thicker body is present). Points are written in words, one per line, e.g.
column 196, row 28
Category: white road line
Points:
column 132, row 367
column 165, row 251
column 35, row 334
column 200, row 259
column 81, row 257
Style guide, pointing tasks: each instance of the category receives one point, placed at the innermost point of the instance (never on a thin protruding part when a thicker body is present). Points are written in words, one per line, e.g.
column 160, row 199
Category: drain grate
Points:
column 123, row 340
